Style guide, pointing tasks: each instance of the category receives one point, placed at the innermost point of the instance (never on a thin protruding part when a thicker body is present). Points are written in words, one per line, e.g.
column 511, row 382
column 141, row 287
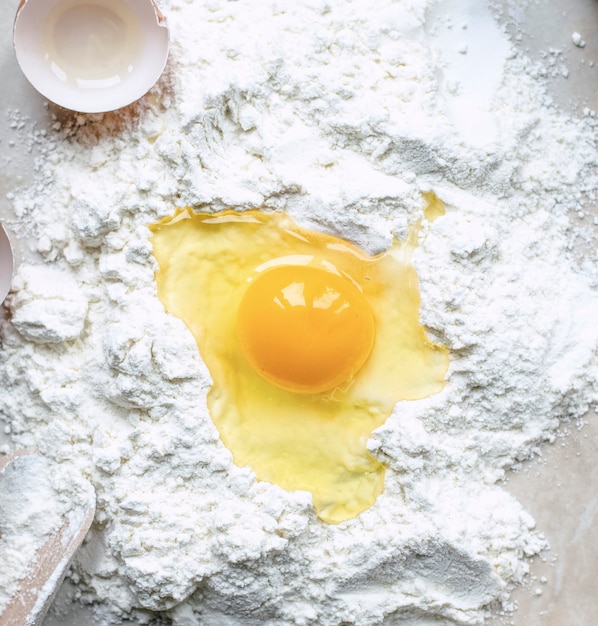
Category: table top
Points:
column 561, row 488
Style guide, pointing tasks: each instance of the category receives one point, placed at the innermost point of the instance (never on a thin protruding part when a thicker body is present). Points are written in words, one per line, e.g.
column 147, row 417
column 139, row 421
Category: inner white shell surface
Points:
column 55, row 39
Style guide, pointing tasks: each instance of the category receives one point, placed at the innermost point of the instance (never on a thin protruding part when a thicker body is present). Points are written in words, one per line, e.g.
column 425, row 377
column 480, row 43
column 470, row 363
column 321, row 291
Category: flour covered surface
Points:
column 345, row 118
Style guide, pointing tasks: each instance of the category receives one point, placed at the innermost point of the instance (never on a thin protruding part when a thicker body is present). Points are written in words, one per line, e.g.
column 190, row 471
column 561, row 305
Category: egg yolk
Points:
column 310, row 343
column 304, row 328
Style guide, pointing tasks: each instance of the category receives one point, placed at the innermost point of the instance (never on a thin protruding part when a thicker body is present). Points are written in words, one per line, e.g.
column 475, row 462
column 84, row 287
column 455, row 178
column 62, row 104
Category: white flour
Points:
column 341, row 115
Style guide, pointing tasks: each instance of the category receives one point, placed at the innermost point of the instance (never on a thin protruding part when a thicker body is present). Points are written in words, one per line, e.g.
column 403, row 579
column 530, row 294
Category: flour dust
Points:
column 342, row 116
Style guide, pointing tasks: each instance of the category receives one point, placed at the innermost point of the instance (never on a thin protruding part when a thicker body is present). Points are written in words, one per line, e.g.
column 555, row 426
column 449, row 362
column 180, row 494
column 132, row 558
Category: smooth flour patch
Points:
column 343, row 117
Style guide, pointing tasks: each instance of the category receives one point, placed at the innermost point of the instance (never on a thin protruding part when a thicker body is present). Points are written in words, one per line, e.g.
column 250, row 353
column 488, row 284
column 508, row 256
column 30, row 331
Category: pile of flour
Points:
column 343, row 116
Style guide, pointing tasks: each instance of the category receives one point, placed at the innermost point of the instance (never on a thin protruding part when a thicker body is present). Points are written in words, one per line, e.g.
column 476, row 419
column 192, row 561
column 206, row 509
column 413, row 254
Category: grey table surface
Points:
column 561, row 488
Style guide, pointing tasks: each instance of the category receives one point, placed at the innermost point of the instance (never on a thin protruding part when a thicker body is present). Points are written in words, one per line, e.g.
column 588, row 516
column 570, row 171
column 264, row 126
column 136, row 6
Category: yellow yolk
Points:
column 309, row 341
column 304, row 328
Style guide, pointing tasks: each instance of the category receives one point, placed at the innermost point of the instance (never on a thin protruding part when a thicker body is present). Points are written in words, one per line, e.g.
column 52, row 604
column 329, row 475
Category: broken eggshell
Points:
column 91, row 56
column 6, row 264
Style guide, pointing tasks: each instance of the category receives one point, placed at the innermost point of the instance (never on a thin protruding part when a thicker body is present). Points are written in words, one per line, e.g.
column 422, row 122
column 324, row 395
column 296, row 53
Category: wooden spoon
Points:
column 36, row 592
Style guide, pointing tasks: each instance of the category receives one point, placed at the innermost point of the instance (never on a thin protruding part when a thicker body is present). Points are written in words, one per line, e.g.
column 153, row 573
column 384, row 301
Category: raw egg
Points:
column 322, row 319
column 310, row 343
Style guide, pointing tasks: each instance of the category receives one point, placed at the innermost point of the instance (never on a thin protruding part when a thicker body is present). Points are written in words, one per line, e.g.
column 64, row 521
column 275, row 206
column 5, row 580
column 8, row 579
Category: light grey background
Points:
column 561, row 488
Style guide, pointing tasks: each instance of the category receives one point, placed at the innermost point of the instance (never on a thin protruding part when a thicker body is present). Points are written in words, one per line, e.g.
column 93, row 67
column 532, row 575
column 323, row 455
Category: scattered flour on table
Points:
column 341, row 116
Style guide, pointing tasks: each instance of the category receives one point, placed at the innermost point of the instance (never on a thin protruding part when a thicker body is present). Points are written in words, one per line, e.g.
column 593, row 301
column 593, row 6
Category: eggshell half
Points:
column 29, row 36
column 6, row 264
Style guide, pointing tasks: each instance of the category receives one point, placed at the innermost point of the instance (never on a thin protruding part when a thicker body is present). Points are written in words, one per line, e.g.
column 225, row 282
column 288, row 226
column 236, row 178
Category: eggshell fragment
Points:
column 6, row 264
